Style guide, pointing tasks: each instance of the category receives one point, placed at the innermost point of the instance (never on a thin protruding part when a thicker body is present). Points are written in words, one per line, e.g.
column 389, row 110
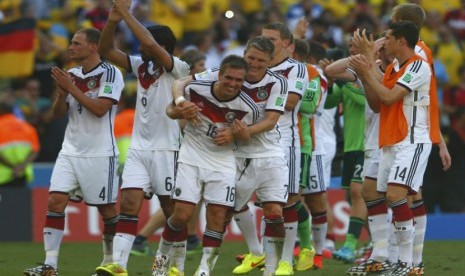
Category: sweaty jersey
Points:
column 86, row 134
column 198, row 148
column 269, row 94
column 153, row 129
column 297, row 77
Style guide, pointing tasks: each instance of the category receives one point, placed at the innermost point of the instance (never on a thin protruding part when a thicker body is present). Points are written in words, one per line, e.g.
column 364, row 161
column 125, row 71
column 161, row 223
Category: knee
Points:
column 57, row 202
column 356, row 192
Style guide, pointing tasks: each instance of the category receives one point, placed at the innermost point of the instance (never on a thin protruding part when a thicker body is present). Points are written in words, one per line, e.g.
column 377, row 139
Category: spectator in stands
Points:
column 19, row 146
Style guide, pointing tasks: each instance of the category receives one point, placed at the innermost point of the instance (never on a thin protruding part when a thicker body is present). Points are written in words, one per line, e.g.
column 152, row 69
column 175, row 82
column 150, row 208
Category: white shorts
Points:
column 403, row 165
column 328, row 157
column 371, row 163
column 267, row 177
column 152, row 171
column 93, row 179
column 193, row 183
column 293, row 163
column 316, row 182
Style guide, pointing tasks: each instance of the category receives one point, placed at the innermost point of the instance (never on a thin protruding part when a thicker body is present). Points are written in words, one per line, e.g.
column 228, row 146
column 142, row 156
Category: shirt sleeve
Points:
column 417, row 74
column 112, row 84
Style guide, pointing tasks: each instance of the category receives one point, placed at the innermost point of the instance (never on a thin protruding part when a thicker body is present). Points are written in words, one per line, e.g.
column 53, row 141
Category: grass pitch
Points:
column 80, row 259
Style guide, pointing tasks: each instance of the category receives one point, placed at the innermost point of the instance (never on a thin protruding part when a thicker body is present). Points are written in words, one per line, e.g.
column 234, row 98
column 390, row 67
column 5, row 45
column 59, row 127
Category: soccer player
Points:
column 351, row 95
column 297, row 78
column 404, row 102
column 308, row 107
column 416, row 14
column 207, row 166
column 87, row 165
column 151, row 158
column 260, row 164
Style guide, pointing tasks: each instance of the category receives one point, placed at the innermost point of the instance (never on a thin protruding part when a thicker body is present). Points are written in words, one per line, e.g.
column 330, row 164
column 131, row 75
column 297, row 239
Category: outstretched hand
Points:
column 364, row 44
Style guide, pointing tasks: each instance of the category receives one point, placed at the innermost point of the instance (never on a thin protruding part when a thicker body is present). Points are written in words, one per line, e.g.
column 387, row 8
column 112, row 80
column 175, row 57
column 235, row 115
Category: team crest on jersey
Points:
column 177, row 191
column 230, row 117
column 262, row 94
column 408, row 77
column 91, row 84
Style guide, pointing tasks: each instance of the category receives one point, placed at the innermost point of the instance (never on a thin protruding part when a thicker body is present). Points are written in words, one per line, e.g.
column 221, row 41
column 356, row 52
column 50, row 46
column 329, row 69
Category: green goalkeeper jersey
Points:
column 353, row 100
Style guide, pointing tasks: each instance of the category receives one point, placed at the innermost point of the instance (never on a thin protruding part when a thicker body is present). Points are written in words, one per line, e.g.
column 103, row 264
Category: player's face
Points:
column 198, row 67
column 79, row 49
column 275, row 37
column 231, row 82
column 258, row 61
column 390, row 44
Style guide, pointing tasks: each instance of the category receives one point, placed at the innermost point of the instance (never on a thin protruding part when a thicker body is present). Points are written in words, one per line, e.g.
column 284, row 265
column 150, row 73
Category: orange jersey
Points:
column 435, row 132
column 393, row 123
column 14, row 131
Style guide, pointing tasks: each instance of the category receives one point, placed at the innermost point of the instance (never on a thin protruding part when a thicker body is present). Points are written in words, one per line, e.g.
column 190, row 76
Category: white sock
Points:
column 52, row 242
column 379, row 229
column 209, row 258
column 245, row 222
column 393, row 247
column 178, row 254
column 405, row 232
column 319, row 236
column 419, row 239
column 107, row 243
column 122, row 244
column 273, row 248
column 289, row 241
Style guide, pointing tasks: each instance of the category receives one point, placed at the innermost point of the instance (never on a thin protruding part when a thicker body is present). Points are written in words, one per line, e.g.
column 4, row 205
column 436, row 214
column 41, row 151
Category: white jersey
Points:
column 297, row 78
column 198, row 148
column 371, row 128
column 416, row 79
column 153, row 129
column 269, row 94
column 323, row 121
column 86, row 134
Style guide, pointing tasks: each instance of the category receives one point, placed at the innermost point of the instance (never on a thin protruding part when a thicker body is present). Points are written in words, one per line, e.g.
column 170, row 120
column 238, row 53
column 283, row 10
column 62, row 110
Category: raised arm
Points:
column 147, row 41
column 106, row 46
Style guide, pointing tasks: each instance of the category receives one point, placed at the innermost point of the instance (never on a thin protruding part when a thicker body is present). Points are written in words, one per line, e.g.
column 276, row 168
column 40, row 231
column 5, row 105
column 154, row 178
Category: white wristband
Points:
column 179, row 100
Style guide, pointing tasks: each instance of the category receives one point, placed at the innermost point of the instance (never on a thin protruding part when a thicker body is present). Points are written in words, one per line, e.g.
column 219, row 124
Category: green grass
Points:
column 80, row 259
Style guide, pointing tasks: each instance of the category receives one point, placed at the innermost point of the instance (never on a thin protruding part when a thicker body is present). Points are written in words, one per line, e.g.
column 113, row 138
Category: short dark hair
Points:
column 406, row 29
column 233, row 61
column 301, row 48
column 92, row 34
column 317, row 50
column 262, row 44
column 164, row 36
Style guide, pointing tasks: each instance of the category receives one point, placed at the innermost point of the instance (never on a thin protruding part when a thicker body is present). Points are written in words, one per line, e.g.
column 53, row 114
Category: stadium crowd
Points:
column 214, row 30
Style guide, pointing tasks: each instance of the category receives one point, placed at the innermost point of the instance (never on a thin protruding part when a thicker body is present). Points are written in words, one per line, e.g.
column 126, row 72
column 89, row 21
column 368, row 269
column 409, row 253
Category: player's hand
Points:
column 240, row 130
column 359, row 64
column 223, row 137
column 323, row 63
column 62, row 78
column 122, row 5
column 301, row 28
column 114, row 16
column 445, row 157
column 190, row 112
column 364, row 44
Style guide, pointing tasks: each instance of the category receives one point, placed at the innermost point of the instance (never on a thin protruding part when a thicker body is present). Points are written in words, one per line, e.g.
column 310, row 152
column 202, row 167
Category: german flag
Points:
column 17, row 48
